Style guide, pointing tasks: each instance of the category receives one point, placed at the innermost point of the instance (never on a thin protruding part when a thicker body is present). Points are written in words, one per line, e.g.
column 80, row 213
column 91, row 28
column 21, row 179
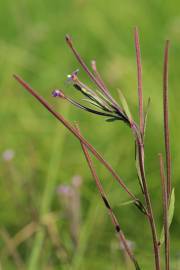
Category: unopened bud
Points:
column 58, row 93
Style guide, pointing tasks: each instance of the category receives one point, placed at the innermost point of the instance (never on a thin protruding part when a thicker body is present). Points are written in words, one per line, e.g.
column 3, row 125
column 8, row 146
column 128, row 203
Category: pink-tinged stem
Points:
column 97, row 74
column 150, row 215
column 78, row 136
column 139, row 75
column 165, row 213
column 114, row 220
column 140, row 143
column 166, row 119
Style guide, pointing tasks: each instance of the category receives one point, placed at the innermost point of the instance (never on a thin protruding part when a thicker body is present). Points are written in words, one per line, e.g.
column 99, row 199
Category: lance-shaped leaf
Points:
column 145, row 116
column 125, row 105
column 112, row 119
column 92, row 96
column 138, row 167
column 170, row 215
column 92, row 102
column 137, row 266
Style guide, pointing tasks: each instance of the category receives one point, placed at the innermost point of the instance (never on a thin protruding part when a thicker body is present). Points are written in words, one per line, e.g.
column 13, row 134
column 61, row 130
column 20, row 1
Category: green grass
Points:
column 46, row 155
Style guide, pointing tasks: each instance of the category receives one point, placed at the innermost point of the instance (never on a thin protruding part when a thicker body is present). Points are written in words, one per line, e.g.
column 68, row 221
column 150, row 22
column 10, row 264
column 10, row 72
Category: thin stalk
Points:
column 114, row 220
column 150, row 215
column 165, row 213
column 140, row 144
column 137, row 202
column 139, row 76
column 97, row 74
column 166, row 118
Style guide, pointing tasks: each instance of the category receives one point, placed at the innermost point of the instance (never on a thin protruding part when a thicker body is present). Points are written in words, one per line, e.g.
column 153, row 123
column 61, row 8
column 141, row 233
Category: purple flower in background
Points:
column 65, row 190
column 8, row 154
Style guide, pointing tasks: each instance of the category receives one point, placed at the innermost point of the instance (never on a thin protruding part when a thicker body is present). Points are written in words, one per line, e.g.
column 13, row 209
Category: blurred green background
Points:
column 51, row 216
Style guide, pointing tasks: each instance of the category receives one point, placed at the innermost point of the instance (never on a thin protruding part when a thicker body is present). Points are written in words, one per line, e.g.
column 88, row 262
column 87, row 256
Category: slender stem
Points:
column 165, row 213
column 140, row 144
column 80, row 137
column 166, row 119
column 97, row 74
column 114, row 220
column 150, row 215
column 139, row 75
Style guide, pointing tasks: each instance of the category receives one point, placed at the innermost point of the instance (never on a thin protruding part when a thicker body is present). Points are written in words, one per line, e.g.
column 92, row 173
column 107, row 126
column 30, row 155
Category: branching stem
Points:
column 80, row 137
column 114, row 220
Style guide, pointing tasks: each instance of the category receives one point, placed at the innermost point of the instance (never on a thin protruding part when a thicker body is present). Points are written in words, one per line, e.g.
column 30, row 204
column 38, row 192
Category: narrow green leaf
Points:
column 138, row 167
column 125, row 105
column 127, row 203
column 137, row 267
column 140, row 206
column 111, row 119
column 171, row 207
column 91, row 95
column 170, row 215
column 105, row 98
column 145, row 117
column 92, row 102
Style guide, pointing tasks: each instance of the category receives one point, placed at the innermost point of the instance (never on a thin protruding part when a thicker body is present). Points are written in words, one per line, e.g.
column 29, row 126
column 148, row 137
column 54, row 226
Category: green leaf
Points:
column 137, row 265
column 145, row 117
column 92, row 102
column 125, row 105
column 111, row 119
column 140, row 206
column 138, row 167
column 105, row 98
column 127, row 203
column 161, row 240
column 170, row 215
column 137, row 203
column 171, row 208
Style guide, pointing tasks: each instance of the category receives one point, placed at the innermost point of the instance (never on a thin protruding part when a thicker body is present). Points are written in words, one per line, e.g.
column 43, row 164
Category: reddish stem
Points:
column 165, row 213
column 114, row 220
column 78, row 136
column 150, row 215
column 166, row 119
column 139, row 75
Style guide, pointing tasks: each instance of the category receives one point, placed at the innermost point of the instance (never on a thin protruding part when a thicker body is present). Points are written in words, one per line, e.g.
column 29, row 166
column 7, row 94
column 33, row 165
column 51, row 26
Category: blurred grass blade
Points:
column 48, row 193
column 170, row 215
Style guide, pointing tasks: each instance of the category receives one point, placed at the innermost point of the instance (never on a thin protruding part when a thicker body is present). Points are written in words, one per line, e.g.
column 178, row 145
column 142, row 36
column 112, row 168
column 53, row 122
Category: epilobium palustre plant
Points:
column 103, row 104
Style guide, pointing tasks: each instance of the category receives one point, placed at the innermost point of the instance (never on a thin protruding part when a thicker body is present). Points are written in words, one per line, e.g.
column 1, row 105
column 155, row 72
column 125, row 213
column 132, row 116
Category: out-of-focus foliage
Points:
column 48, row 221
